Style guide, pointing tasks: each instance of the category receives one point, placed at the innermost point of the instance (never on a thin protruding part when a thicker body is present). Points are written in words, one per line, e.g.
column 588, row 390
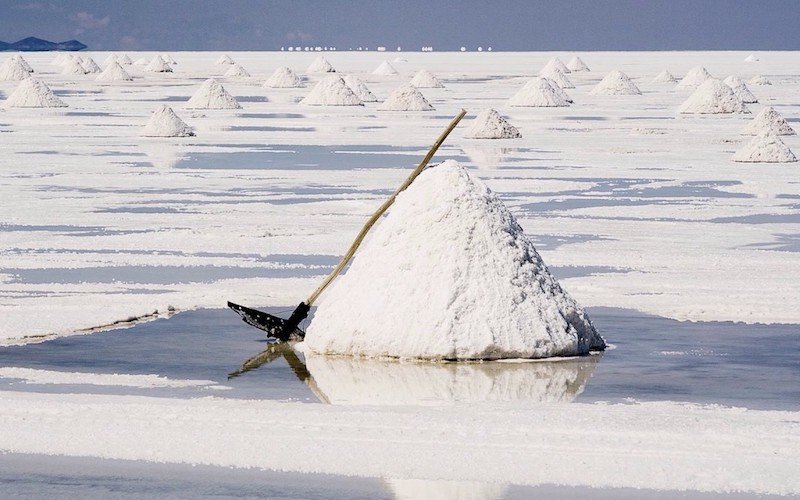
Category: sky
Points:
column 445, row 25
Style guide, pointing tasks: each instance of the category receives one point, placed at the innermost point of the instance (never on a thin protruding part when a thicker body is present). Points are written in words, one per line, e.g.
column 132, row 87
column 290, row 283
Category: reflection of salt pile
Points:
column 212, row 95
column 385, row 69
column 406, row 98
column 557, row 76
column 320, row 65
column 424, row 79
column 486, row 156
column 420, row 489
column 616, row 83
column 768, row 121
column 331, row 91
column 490, row 125
column 33, row 93
column 283, row 78
column 236, row 71
column 113, row 73
column 694, row 78
column 538, row 92
column 12, row 70
column 360, row 89
column 449, row 274
column 576, row 64
column 163, row 154
column 90, row 66
column 765, row 148
column 158, row 65
column 713, row 97
column 165, row 123
column 664, row 77
column 740, row 89
column 224, row 59
column 73, row 67
column 759, row 80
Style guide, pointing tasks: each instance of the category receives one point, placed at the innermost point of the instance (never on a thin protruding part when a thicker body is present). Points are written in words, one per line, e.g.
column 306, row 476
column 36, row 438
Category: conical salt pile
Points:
column 751, row 58
column 112, row 58
column 33, row 93
column 58, row 60
column 12, row 71
column 331, row 91
column 385, row 69
column 713, row 97
column 90, row 66
column 165, row 123
column 168, row 58
column 212, row 95
column 576, row 64
column 125, row 60
column 114, row 73
column 664, row 77
column 23, row 62
column 406, row 98
column 158, row 65
column 740, row 89
column 616, row 83
column 558, row 64
column 765, row 148
column 224, row 59
column 424, row 79
column 237, row 71
column 477, row 290
column 558, row 90
column 360, row 89
column 759, row 80
column 768, row 121
column 73, row 67
column 141, row 62
column 538, row 92
column 283, row 78
column 320, row 65
column 694, row 78
column 557, row 76
column 490, row 125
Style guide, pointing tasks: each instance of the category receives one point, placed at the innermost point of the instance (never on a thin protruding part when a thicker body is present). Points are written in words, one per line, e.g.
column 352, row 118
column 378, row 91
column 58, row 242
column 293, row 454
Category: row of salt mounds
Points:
column 236, row 71
column 114, row 73
column 768, row 121
column 33, row 93
column 320, row 65
column 664, row 77
column 765, row 148
column 406, row 98
column 212, row 95
column 360, row 89
column 616, row 83
column 165, row 123
column 558, row 64
column 385, row 69
column 122, row 60
column 576, row 65
column 694, row 78
column 740, row 89
column 158, row 65
column 283, row 78
column 759, row 80
column 424, row 79
column 12, row 70
column 331, row 91
column 224, row 59
column 713, row 97
column 557, row 76
column 406, row 295
column 490, row 125
column 538, row 92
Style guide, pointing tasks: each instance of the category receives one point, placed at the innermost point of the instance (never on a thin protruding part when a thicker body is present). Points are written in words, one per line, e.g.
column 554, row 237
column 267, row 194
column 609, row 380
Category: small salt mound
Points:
column 558, row 64
column 73, row 67
column 12, row 71
column 283, row 78
column 558, row 77
column 751, row 58
column 490, row 125
column 224, row 59
column 125, row 60
column 385, row 69
column 449, row 274
column 114, row 73
column 713, row 97
column 212, row 95
column 320, row 65
column 360, row 89
column 237, row 71
column 759, row 80
column 165, row 123
column 616, row 83
column 168, row 58
column 664, row 77
column 331, row 91
column 765, row 148
column 23, row 62
column 90, row 66
column 539, row 92
column 694, row 78
column 740, row 89
column 33, row 93
column 399, row 60
column 406, row 98
column 58, row 60
column 576, row 64
column 112, row 58
column 158, row 65
column 768, row 121
column 424, row 79
column 141, row 62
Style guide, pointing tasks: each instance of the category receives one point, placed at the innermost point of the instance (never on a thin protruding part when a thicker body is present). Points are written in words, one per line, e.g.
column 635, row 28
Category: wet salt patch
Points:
column 759, row 219
column 254, row 128
column 272, row 115
column 784, row 243
column 35, row 376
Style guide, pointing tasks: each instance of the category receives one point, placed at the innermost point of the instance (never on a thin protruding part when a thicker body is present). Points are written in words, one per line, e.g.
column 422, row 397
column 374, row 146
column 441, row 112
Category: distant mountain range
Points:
column 33, row 44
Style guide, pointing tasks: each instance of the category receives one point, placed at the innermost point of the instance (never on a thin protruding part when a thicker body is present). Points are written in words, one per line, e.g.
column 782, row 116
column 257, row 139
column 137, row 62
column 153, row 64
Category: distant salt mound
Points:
column 158, row 65
column 664, row 77
column 538, row 92
column 58, row 60
column 557, row 76
column 331, row 91
column 21, row 60
column 713, row 97
column 124, row 60
column 283, row 78
column 360, row 89
column 320, row 65
column 112, row 58
column 765, row 148
column 694, row 78
column 406, row 98
column 616, row 83
column 212, row 95
column 558, row 64
column 576, row 64
column 12, row 70
column 114, row 73
column 90, row 66
column 385, row 69
column 759, row 80
column 168, row 58
column 236, row 71
column 73, row 67
column 33, row 93
column 740, row 89
column 751, row 58
column 768, row 121
column 142, row 61
column 225, row 59
column 165, row 123
column 424, row 79
column 490, row 125
column 478, row 290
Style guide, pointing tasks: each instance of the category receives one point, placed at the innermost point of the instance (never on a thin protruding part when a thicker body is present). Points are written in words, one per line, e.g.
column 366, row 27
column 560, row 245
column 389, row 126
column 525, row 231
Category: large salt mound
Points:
column 406, row 98
column 616, row 83
column 331, row 91
column 320, row 65
column 283, row 78
column 224, row 59
column 449, row 274
column 740, row 89
column 33, row 93
column 158, row 65
column 664, row 77
column 713, row 97
column 114, row 73
column 360, row 89
column 90, row 66
column 73, row 67
column 759, row 80
column 236, row 71
column 768, row 121
column 765, row 148
column 694, row 78
column 558, row 64
column 212, row 95
column 12, row 71
column 490, row 125
column 558, row 77
column 539, row 92
column 165, row 123
column 576, row 64
column 424, row 79
column 385, row 69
